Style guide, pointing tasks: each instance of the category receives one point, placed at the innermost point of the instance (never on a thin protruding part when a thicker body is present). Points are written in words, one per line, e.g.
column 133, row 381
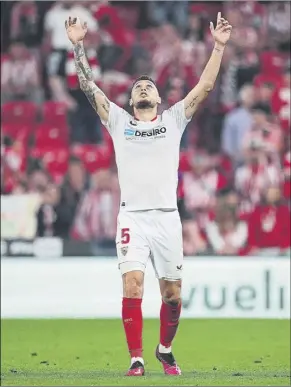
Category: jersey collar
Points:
column 136, row 119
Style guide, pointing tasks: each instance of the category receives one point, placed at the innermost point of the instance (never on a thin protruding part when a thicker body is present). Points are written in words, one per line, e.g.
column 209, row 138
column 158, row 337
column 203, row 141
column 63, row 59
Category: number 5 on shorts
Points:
column 125, row 237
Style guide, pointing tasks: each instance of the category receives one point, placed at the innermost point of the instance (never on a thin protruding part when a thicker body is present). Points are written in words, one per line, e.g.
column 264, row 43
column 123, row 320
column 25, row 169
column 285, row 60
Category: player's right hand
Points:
column 76, row 30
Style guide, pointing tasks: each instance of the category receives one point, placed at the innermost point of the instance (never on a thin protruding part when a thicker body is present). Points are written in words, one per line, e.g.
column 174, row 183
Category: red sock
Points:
column 169, row 320
column 132, row 322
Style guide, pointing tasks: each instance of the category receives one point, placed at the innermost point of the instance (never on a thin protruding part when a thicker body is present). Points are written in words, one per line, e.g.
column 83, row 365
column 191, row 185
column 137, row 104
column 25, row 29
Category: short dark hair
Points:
column 143, row 78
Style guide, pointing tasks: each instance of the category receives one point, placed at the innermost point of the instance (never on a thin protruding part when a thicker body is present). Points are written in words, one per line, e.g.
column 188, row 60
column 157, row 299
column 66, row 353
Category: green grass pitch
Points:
column 93, row 353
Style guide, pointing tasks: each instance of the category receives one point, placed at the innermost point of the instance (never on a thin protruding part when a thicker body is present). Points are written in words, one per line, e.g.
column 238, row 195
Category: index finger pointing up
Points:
column 218, row 17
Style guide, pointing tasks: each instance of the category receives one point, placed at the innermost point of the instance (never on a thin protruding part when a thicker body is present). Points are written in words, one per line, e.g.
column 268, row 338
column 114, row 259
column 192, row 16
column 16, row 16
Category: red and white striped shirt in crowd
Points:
column 200, row 191
column 251, row 181
column 70, row 68
column 19, row 73
column 96, row 216
column 219, row 242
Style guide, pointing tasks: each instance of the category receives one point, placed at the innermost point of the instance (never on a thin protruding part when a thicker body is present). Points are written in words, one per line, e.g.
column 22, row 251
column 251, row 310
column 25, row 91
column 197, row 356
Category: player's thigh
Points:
column 131, row 245
column 167, row 247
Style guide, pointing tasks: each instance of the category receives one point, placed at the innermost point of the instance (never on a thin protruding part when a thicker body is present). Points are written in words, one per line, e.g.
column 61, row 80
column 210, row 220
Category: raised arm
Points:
column 76, row 32
column 95, row 95
column 221, row 35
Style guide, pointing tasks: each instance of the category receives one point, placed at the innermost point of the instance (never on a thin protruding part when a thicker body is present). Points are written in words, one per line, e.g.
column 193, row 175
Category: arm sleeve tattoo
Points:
column 86, row 80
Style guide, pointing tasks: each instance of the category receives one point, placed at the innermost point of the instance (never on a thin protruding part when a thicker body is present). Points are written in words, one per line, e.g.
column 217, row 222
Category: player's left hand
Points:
column 222, row 32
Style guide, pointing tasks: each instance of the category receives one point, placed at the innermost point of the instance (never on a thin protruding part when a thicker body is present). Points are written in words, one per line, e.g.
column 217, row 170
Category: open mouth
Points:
column 143, row 95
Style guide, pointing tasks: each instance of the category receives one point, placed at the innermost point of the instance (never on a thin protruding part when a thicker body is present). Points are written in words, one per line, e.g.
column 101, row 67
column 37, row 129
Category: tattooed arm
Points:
column 95, row 95
column 206, row 82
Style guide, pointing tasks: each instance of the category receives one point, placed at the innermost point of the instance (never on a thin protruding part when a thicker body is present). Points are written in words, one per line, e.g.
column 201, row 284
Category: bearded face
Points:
column 144, row 95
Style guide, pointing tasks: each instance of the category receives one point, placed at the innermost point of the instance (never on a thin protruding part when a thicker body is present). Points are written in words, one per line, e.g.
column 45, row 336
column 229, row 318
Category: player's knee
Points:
column 172, row 299
column 132, row 285
column 172, row 292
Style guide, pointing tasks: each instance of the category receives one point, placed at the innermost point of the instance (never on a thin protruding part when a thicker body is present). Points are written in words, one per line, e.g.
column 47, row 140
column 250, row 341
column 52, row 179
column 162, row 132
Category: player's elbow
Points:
column 206, row 86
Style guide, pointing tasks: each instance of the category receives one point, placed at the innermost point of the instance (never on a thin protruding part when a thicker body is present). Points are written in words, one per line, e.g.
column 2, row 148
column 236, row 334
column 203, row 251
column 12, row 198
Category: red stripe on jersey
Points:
column 151, row 120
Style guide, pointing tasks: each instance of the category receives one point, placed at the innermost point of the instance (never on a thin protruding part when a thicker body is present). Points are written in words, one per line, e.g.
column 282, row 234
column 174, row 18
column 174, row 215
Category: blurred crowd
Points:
column 234, row 177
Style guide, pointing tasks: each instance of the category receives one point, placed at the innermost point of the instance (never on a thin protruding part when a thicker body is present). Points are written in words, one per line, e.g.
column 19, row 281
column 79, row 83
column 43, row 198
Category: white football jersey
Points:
column 147, row 157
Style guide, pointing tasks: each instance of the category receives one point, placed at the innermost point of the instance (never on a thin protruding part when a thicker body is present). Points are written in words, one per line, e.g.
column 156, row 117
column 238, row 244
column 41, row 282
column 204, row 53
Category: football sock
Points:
column 163, row 349
column 169, row 321
column 132, row 322
column 134, row 359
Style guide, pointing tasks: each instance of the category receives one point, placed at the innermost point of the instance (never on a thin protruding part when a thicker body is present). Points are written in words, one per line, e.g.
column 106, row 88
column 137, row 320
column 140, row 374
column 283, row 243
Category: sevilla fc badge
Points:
column 133, row 122
column 124, row 250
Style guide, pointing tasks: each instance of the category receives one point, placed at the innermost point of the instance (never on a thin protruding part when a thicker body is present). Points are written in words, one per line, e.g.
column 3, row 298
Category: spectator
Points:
column 253, row 13
column 38, row 180
column 201, row 185
column 117, row 36
column 264, row 93
column 13, row 164
column 195, row 31
column 281, row 100
column 226, row 235
column 20, row 188
column 257, row 173
column 20, row 75
column 269, row 225
column 237, row 123
column 249, row 64
column 26, row 23
column 54, row 23
column 176, row 74
column 263, row 131
column 72, row 190
column 96, row 216
column 193, row 242
column 278, row 23
column 225, row 92
column 231, row 200
column 166, row 48
column 49, row 221
column 163, row 12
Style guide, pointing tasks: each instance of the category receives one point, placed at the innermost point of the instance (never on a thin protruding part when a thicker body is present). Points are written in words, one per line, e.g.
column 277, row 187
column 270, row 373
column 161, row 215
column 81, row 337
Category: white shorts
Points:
column 151, row 234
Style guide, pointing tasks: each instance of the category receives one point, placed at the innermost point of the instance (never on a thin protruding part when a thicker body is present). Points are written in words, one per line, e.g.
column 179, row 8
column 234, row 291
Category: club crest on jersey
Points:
column 124, row 250
column 133, row 123
column 155, row 133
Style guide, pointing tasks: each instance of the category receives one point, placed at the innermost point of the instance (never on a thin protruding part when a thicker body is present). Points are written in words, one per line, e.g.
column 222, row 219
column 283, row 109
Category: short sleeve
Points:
column 116, row 118
column 177, row 112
